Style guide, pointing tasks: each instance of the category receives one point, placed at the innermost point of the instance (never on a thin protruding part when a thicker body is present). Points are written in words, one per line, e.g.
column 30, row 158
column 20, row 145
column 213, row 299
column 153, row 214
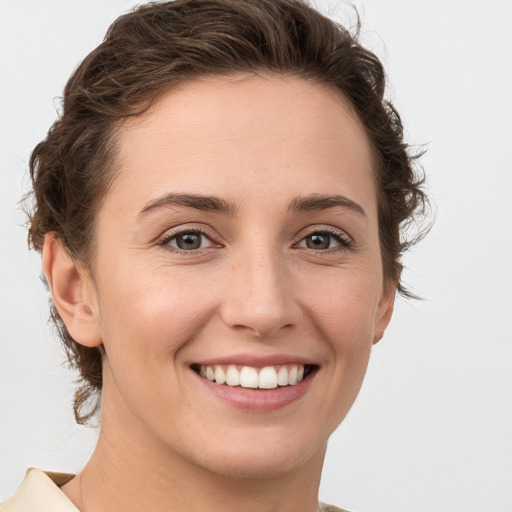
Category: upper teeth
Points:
column 268, row 377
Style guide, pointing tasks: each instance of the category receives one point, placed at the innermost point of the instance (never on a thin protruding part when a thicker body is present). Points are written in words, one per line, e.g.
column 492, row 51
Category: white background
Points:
column 432, row 427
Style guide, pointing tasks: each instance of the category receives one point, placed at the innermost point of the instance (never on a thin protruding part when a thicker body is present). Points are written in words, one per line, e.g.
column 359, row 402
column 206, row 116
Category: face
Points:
column 239, row 242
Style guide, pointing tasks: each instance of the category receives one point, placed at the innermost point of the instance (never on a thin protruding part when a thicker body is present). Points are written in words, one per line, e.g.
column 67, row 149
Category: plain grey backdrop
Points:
column 432, row 427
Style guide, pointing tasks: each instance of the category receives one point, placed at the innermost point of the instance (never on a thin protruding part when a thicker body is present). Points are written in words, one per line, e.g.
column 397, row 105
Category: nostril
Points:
column 262, row 326
column 262, row 304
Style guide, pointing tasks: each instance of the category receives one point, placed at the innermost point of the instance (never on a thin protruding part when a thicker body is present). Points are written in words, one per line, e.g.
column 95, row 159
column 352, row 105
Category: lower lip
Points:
column 258, row 399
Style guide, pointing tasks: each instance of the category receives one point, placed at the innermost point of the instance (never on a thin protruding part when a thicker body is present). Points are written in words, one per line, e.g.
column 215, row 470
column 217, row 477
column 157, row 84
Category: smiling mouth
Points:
column 268, row 377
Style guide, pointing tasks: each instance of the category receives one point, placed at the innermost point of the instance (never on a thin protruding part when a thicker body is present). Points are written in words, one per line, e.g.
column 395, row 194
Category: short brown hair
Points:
column 159, row 45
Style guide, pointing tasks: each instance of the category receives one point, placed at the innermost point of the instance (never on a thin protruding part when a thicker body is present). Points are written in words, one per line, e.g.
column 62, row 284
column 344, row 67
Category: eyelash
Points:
column 344, row 241
column 202, row 232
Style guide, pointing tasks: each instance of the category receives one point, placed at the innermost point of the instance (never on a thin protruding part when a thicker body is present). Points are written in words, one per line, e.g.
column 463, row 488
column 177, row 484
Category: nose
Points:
column 261, row 298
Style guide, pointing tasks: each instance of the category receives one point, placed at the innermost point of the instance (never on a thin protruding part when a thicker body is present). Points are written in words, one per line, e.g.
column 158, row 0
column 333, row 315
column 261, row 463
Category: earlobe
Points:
column 72, row 293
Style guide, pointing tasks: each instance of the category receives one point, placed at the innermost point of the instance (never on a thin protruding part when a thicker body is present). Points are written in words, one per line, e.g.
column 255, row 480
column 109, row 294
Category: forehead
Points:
column 218, row 133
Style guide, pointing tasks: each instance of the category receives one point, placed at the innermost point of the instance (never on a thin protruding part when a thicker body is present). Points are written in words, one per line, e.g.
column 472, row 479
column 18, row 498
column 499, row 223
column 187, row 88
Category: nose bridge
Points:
column 261, row 297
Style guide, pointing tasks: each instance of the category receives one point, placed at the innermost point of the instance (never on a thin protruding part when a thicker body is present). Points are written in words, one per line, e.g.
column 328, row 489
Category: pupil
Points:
column 318, row 241
column 189, row 241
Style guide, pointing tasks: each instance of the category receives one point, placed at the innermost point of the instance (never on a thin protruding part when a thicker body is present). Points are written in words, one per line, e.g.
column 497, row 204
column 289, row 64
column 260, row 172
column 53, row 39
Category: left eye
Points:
column 321, row 241
column 189, row 241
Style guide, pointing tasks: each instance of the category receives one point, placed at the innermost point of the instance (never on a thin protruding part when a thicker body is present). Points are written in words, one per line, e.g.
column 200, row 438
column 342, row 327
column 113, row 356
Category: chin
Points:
column 261, row 455
column 248, row 467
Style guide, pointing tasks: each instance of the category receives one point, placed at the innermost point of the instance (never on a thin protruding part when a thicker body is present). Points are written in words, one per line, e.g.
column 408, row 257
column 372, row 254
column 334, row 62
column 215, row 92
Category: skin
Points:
column 253, row 287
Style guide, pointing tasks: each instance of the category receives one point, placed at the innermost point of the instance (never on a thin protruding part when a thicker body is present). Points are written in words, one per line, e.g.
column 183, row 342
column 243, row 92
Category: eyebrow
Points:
column 322, row 202
column 197, row 201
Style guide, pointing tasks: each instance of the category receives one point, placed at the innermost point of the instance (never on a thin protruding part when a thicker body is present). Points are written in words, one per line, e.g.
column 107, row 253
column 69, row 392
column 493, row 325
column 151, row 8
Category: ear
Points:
column 385, row 309
column 73, row 293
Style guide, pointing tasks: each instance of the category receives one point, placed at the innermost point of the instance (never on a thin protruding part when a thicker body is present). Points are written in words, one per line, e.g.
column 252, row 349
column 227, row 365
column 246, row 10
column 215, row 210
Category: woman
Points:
column 219, row 210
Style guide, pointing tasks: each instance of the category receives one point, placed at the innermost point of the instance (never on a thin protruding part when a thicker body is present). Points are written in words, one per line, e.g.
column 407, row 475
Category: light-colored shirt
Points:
column 40, row 492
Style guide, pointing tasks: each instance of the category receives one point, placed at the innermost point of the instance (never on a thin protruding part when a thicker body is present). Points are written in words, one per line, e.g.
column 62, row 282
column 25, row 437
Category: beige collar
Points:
column 39, row 492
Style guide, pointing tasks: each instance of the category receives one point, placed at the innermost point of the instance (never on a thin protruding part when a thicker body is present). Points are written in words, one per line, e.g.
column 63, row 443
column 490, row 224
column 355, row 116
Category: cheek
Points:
column 344, row 315
column 344, row 307
column 146, row 324
column 149, row 317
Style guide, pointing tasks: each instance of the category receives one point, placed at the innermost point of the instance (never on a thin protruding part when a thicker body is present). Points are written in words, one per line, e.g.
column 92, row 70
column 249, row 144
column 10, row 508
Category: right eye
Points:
column 190, row 240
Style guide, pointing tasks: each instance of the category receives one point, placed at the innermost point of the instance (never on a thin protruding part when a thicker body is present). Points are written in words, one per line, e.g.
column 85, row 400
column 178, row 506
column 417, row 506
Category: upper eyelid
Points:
column 331, row 230
column 341, row 242
column 165, row 241
column 170, row 233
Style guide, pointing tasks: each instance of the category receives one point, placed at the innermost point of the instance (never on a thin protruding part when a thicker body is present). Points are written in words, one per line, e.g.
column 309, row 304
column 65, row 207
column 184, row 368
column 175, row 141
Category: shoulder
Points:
column 331, row 508
column 39, row 491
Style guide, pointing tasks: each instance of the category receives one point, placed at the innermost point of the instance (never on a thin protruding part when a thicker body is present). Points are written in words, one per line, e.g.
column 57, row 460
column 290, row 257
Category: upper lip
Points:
column 257, row 361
